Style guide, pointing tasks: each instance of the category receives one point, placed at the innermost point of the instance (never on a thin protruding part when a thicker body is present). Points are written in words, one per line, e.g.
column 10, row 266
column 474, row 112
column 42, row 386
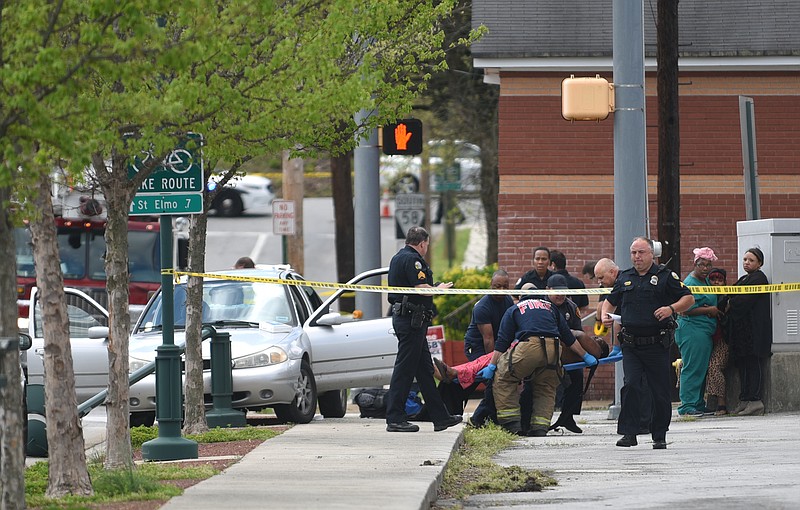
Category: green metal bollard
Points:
column 169, row 445
column 222, row 414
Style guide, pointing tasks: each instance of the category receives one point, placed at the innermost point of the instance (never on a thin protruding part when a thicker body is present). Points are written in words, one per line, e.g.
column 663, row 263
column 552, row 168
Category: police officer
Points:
column 558, row 264
column 411, row 315
column 606, row 272
column 538, row 327
column 648, row 296
column 540, row 273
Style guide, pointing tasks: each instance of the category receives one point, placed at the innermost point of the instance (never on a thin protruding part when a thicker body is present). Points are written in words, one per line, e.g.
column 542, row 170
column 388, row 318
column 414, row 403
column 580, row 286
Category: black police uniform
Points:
column 408, row 269
column 646, row 344
column 533, row 277
column 581, row 300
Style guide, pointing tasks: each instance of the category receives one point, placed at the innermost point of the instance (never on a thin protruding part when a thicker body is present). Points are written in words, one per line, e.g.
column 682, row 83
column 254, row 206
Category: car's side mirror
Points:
column 25, row 341
column 96, row 332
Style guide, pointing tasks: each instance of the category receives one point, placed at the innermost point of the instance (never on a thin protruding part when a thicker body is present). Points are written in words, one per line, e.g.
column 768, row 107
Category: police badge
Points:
column 654, row 280
column 418, row 265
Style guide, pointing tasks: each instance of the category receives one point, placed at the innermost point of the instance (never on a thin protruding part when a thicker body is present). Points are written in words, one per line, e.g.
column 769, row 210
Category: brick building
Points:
column 556, row 177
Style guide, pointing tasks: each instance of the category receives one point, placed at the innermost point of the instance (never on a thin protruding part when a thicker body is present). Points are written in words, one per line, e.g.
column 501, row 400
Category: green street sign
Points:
column 168, row 203
column 449, row 179
column 180, row 172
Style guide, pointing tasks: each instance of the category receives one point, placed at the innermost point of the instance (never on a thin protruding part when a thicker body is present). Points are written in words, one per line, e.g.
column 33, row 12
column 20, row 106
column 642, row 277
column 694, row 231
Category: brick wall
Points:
column 556, row 177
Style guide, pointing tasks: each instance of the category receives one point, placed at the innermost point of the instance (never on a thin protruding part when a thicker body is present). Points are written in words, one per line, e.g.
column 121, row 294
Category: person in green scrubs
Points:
column 696, row 326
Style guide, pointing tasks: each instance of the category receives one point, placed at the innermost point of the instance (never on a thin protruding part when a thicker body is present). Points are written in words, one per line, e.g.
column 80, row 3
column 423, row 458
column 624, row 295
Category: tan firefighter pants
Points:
column 538, row 358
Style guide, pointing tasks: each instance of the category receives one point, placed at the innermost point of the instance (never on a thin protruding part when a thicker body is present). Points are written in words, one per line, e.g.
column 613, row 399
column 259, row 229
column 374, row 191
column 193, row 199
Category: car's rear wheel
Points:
column 304, row 405
column 333, row 404
column 146, row 419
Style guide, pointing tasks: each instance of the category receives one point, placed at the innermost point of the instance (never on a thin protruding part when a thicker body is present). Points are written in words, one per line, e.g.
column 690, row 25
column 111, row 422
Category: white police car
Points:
column 252, row 194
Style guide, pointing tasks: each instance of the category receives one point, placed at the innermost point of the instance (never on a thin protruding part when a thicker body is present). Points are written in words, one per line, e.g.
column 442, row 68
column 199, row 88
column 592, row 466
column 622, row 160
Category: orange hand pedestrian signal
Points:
column 403, row 138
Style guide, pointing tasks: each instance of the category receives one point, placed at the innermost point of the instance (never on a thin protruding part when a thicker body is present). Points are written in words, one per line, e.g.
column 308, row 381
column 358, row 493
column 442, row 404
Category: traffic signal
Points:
column 403, row 138
column 586, row 98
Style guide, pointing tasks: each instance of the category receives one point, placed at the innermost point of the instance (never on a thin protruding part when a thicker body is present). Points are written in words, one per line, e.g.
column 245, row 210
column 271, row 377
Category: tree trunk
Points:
column 490, row 188
column 195, row 418
column 118, row 192
column 342, row 187
column 66, row 448
column 12, row 442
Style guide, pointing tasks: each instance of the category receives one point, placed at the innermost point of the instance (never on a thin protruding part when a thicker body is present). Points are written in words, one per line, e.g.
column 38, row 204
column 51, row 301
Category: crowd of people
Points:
column 516, row 344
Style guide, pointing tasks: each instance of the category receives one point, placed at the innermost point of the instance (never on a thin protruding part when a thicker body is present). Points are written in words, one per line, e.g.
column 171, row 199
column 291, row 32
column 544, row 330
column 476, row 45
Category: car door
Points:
column 89, row 355
column 348, row 352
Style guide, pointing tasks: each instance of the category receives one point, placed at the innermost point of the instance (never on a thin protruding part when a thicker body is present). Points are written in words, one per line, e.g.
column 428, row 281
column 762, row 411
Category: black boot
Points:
column 568, row 422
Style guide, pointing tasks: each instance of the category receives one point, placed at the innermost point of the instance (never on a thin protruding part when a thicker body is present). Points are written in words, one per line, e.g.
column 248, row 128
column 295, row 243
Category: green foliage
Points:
column 455, row 310
column 439, row 261
column 142, row 434
column 124, row 481
column 221, row 435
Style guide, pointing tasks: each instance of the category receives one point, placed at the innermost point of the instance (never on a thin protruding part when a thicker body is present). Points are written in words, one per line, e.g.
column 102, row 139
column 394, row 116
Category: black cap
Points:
column 557, row 281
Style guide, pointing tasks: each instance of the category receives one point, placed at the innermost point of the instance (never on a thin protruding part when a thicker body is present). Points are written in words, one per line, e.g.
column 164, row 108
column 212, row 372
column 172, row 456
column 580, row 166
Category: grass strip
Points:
column 471, row 470
column 144, row 482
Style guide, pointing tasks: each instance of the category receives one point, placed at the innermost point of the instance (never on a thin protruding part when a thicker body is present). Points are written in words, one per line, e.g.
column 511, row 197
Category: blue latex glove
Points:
column 589, row 360
column 488, row 371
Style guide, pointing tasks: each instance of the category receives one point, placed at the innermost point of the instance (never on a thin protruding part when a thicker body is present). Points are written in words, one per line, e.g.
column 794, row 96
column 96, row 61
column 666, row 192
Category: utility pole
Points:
column 294, row 190
column 366, row 162
column 669, row 142
column 630, row 147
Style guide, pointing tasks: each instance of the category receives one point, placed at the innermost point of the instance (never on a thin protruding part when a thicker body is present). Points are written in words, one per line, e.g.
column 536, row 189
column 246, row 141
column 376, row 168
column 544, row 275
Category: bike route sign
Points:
column 175, row 186
column 149, row 204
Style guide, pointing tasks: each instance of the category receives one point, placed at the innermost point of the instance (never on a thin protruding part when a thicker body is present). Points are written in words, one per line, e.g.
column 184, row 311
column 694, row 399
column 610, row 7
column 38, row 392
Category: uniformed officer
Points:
column 648, row 296
column 539, row 328
column 411, row 315
column 540, row 273
column 606, row 272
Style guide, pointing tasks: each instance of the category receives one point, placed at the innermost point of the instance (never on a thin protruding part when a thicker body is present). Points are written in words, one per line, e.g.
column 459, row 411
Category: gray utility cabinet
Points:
column 779, row 239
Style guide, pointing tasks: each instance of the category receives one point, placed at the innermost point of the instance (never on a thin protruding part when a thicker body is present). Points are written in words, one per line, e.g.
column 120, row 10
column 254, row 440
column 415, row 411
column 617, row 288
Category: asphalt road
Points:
column 252, row 236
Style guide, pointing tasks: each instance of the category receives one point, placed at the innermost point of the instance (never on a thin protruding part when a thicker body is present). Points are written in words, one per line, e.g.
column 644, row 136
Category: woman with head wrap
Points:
column 695, row 328
column 715, row 380
column 750, row 333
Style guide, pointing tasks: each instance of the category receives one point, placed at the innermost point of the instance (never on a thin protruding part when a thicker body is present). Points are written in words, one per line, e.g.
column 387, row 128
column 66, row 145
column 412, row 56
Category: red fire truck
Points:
column 80, row 225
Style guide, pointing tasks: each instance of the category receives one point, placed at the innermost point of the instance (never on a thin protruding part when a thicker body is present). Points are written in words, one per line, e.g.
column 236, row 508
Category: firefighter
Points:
column 536, row 328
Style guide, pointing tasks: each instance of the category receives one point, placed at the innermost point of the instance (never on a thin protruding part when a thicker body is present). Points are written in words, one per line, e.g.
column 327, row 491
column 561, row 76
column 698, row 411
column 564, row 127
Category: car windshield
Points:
column 234, row 302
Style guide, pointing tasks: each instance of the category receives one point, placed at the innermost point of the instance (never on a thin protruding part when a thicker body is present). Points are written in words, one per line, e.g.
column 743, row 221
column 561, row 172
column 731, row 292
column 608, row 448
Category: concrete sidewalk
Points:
column 710, row 463
column 731, row 462
column 348, row 463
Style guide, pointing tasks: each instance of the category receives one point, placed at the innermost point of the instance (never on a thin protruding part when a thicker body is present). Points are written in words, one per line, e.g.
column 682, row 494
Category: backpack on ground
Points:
column 371, row 402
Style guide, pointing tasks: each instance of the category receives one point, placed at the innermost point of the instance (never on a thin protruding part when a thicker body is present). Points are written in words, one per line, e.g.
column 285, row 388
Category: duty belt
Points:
column 664, row 338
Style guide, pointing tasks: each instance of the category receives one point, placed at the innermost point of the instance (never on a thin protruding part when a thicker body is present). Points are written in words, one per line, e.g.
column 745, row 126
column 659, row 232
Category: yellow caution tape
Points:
column 743, row 289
